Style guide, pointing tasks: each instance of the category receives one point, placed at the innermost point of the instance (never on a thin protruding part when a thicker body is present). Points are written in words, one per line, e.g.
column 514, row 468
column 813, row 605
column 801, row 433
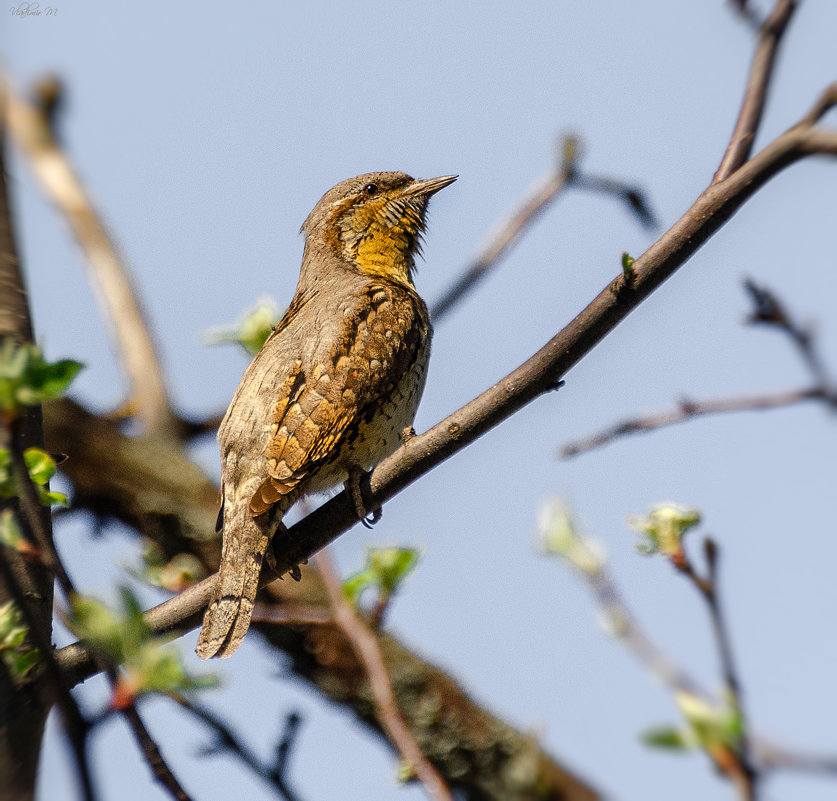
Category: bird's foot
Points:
column 271, row 554
column 363, row 507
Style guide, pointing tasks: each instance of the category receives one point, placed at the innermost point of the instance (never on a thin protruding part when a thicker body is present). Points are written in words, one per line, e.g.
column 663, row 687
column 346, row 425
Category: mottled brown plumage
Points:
column 333, row 387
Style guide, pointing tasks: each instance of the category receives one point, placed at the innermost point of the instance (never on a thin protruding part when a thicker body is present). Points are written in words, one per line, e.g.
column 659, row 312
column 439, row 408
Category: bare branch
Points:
column 151, row 751
column 769, row 310
column 365, row 646
column 545, row 190
column 688, row 409
column 228, row 740
column 775, row 757
column 564, row 175
column 118, row 297
column 538, row 375
column 761, row 70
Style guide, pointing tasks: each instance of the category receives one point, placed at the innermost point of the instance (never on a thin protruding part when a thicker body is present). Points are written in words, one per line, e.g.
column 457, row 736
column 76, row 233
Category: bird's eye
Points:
column 371, row 189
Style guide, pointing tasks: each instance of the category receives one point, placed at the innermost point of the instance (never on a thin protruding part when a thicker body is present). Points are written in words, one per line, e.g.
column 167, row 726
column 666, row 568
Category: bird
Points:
column 335, row 387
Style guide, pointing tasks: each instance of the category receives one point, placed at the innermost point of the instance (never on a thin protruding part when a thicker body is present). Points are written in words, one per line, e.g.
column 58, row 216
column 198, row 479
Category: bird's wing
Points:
column 321, row 403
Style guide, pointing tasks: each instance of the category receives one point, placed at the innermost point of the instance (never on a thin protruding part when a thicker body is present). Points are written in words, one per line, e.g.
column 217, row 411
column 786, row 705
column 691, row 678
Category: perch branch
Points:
column 538, row 375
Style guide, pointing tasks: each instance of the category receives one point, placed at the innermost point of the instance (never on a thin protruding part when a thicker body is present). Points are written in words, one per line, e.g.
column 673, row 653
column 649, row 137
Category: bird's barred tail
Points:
column 228, row 616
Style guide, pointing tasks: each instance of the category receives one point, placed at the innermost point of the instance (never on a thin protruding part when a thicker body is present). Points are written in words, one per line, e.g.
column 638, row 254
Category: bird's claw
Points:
column 363, row 510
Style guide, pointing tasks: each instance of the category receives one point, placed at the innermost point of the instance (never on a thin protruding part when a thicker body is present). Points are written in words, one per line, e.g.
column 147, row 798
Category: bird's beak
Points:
column 430, row 186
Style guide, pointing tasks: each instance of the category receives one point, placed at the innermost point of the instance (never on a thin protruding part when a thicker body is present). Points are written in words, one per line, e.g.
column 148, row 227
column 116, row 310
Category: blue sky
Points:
column 206, row 133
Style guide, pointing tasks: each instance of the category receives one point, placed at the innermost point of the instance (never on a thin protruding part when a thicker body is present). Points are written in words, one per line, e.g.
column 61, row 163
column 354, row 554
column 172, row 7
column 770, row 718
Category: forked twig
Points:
column 758, row 82
column 228, row 740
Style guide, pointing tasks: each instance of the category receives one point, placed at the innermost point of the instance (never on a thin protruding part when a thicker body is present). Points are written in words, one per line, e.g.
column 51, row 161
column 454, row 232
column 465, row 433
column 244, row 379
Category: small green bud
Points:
column 662, row 531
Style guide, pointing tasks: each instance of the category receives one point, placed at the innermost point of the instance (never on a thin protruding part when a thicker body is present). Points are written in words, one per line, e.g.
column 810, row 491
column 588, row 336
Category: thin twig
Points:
column 118, row 297
column 365, row 646
column 228, row 740
column 740, row 769
column 545, row 190
column 153, row 756
column 761, row 70
column 746, row 12
column 772, row 757
column 769, row 310
column 564, row 175
column 622, row 625
column 688, row 409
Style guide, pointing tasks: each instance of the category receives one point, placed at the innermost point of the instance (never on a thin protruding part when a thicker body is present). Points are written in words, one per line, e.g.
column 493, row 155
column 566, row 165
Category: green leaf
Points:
column 147, row 662
column 559, row 536
column 181, row 571
column 40, row 465
column 391, row 566
column 628, row 268
column 711, row 724
column 18, row 657
column 7, row 486
column 356, row 584
column 92, row 621
column 26, row 379
column 385, row 570
column 667, row 737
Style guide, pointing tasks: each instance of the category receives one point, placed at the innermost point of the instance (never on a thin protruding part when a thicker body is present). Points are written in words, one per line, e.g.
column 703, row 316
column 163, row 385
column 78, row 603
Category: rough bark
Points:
column 23, row 704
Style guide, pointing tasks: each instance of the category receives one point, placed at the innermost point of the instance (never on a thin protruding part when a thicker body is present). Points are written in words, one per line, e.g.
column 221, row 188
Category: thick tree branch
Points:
column 25, row 702
column 153, row 487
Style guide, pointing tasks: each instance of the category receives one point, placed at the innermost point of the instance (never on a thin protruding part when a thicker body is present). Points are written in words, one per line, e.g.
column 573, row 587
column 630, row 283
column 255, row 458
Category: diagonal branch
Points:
column 538, row 375
column 117, row 295
column 761, row 71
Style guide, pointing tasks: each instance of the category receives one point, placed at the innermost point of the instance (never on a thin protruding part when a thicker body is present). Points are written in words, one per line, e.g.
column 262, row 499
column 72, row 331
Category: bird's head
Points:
column 375, row 221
